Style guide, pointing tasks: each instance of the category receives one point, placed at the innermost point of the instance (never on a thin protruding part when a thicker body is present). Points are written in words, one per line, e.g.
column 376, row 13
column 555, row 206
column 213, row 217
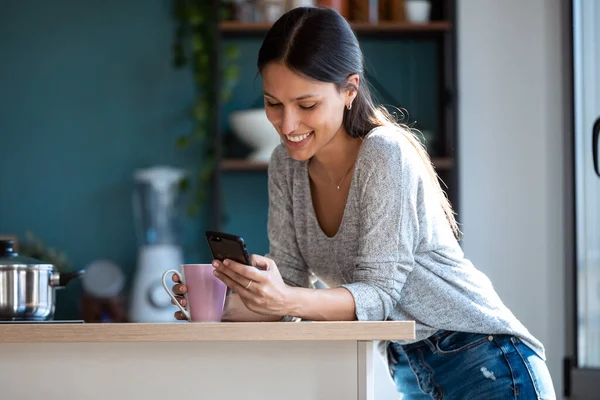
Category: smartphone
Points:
column 224, row 245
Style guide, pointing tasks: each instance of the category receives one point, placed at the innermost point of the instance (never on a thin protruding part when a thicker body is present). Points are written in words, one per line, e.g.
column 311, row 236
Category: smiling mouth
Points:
column 298, row 140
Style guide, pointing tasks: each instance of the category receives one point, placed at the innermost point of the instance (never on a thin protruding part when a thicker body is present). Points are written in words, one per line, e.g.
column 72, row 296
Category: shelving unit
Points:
column 442, row 31
column 228, row 164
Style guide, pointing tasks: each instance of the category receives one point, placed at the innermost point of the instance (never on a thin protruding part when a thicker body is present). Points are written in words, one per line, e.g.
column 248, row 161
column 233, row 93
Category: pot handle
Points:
column 62, row 279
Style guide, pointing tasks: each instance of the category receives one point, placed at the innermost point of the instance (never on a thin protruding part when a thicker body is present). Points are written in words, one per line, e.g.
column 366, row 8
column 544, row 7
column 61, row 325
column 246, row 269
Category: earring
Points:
column 349, row 106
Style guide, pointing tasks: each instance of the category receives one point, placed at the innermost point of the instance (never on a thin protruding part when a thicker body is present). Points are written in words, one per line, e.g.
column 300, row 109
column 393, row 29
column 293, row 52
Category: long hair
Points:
column 319, row 43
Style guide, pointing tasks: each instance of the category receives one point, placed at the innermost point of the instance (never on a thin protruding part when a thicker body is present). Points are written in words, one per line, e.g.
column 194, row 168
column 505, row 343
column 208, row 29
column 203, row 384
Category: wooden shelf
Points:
column 242, row 165
column 441, row 163
column 359, row 27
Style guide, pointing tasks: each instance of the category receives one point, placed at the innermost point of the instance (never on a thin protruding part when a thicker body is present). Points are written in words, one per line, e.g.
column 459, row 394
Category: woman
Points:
column 355, row 202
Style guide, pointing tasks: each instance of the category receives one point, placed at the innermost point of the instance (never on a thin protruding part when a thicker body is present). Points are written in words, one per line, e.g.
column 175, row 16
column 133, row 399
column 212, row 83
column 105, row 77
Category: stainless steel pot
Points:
column 27, row 286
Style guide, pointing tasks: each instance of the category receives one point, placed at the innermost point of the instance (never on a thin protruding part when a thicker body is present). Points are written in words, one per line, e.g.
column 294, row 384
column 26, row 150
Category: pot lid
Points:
column 8, row 256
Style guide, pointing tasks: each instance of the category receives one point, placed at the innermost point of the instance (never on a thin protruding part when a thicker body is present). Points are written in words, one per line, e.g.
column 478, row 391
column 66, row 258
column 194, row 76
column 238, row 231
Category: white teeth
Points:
column 298, row 138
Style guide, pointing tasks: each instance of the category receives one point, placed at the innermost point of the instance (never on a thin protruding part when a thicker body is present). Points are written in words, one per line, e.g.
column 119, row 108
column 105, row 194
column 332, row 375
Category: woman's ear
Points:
column 351, row 89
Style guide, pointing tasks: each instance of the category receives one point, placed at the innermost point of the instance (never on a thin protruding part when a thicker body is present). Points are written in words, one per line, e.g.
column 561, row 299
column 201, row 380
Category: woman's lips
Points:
column 296, row 141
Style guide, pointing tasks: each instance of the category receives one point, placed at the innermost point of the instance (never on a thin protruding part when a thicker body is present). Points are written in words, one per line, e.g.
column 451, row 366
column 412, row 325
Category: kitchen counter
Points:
column 206, row 332
column 271, row 360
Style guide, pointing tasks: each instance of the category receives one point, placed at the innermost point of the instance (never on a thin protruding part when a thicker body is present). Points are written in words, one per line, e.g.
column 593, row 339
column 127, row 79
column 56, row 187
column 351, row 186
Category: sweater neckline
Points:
column 311, row 206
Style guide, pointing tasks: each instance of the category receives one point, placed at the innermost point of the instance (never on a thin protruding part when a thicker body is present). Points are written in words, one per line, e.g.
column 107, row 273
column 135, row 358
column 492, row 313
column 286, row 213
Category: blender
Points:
column 156, row 216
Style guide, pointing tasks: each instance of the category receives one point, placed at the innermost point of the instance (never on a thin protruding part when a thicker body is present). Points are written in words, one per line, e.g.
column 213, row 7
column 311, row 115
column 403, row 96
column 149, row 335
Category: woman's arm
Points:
column 236, row 311
column 335, row 304
column 283, row 248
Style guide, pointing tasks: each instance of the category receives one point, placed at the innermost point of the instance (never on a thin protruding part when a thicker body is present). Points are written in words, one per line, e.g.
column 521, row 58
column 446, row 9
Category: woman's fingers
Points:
column 246, row 271
column 233, row 284
column 179, row 289
column 262, row 262
column 181, row 301
column 179, row 315
column 234, row 276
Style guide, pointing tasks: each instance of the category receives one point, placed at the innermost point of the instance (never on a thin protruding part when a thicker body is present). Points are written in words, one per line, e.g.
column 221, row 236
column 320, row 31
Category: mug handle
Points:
column 171, row 295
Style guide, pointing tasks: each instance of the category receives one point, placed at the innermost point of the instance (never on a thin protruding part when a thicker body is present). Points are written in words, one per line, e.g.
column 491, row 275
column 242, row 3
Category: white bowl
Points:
column 417, row 11
column 254, row 129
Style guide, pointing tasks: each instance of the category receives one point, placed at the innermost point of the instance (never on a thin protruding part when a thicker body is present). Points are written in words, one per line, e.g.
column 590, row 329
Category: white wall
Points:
column 513, row 109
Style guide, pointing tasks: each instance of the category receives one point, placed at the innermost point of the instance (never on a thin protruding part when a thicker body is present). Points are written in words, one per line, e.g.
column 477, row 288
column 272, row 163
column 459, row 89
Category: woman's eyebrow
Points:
column 303, row 97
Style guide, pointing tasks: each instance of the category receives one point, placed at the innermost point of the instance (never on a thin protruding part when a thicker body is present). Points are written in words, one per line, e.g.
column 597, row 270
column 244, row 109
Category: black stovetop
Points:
column 74, row 321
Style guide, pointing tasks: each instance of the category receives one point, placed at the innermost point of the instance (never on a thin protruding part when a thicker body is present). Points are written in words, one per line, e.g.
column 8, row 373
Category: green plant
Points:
column 34, row 247
column 195, row 46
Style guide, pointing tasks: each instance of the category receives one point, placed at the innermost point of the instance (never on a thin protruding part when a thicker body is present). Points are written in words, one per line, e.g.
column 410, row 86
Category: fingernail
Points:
column 216, row 273
column 226, row 262
column 215, row 264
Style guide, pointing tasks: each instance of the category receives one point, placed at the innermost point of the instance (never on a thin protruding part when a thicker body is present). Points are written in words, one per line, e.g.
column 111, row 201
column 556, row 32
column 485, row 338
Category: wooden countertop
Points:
column 206, row 332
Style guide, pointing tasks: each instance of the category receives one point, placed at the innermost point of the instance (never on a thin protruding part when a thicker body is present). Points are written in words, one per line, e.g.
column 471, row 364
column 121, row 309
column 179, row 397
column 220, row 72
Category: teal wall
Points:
column 88, row 94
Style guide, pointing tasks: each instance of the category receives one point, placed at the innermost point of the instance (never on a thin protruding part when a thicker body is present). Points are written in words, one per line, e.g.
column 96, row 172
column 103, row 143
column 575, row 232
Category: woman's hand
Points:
column 179, row 289
column 261, row 290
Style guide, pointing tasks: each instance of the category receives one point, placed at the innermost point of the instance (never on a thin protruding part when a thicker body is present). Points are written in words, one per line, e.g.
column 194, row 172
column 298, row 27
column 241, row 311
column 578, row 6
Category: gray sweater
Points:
column 394, row 250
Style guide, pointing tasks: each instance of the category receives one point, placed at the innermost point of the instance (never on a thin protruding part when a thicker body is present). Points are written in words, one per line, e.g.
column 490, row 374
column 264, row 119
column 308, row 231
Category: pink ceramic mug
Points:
column 205, row 292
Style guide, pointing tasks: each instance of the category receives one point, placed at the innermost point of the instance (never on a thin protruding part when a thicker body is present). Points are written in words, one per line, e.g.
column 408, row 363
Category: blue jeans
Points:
column 469, row 366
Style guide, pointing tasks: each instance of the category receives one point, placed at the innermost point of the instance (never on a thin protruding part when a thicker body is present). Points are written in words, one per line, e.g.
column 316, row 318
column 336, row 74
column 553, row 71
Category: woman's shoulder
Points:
column 389, row 147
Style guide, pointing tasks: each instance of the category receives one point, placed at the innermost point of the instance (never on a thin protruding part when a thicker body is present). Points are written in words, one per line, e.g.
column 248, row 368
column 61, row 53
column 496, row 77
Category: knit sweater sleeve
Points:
column 283, row 246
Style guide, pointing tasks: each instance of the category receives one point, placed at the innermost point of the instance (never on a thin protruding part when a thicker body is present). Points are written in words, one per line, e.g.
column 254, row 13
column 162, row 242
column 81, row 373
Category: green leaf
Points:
column 193, row 209
column 201, row 110
column 225, row 14
column 206, row 177
column 231, row 73
column 202, row 60
column 182, row 142
column 200, row 133
column 226, row 95
column 232, row 51
column 184, row 184
column 195, row 16
column 179, row 10
column 200, row 196
column 198, row 43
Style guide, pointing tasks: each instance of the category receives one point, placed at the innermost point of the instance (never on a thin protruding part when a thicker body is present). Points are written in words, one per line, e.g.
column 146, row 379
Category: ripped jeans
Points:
column 469, row 366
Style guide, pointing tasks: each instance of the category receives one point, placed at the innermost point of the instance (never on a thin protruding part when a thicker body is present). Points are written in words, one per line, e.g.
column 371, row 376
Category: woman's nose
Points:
column 289, row 123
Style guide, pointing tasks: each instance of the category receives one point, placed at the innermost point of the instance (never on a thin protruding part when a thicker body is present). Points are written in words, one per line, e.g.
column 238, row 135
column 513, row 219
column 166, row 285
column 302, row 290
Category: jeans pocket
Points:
column 537, row 370
column 458, row 342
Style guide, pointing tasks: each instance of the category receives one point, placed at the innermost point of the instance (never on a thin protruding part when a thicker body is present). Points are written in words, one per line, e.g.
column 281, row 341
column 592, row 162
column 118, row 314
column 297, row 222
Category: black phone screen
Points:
column 224, row 245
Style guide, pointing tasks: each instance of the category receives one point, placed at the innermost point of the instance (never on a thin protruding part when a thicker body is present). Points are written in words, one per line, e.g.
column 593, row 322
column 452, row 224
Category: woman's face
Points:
column 307, row 114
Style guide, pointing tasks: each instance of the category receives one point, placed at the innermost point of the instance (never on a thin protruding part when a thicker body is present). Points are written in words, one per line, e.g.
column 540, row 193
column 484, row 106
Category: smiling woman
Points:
column 318, row 99
column 354, row 201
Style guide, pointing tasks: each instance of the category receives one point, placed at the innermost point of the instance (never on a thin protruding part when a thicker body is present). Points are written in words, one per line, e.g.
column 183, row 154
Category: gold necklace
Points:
column 342, row 181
